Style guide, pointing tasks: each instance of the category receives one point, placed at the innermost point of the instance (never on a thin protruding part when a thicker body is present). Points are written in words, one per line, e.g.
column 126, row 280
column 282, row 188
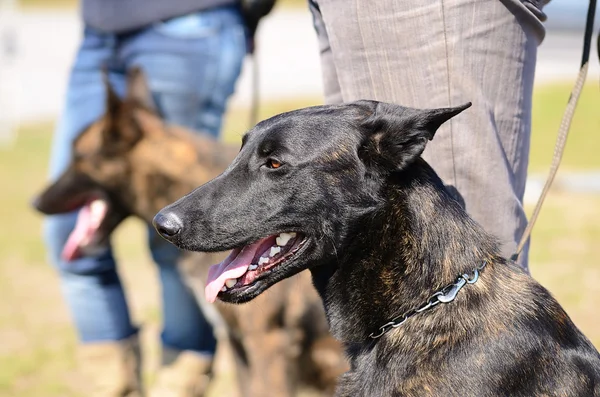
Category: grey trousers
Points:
column 439, row 53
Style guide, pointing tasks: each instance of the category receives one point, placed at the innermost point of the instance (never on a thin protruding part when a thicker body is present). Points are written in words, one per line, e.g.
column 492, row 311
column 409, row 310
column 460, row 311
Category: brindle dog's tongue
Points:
column 234, row 266
column 88, row 221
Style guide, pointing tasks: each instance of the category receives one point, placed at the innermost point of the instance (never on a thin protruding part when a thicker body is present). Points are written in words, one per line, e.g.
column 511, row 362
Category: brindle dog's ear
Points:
column 113, row 102
column 138, row 90
column 119, row 133
column 395, row 136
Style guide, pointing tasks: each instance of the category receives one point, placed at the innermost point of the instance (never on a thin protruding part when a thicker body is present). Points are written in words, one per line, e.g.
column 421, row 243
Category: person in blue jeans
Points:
column 191, row 52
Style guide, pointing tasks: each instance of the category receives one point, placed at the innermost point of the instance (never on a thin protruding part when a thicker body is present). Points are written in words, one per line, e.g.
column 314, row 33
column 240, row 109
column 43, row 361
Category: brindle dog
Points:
column 134, row 164
column 413, row 287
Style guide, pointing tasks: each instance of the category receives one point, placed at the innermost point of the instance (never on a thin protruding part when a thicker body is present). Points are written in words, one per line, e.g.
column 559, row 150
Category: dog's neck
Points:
column 418, row 241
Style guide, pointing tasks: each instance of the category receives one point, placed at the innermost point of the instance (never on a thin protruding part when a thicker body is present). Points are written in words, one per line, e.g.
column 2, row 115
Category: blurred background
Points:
column 38, row 39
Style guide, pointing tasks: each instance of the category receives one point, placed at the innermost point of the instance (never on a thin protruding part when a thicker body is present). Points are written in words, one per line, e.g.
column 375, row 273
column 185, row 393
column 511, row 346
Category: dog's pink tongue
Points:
column 234, row 266
column 88, row 220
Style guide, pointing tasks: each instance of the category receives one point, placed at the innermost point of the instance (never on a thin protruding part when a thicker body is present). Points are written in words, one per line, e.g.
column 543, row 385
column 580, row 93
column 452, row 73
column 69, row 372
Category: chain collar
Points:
column 445, row 295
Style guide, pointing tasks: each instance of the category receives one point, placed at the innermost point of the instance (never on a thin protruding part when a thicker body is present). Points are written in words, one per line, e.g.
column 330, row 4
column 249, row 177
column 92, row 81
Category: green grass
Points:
column 37, row 353
column 583, row 144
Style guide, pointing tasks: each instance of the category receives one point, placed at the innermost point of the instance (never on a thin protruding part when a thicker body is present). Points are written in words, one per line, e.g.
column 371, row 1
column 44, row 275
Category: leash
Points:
column 565, row 125
column 255, row 98
column 253, row 11
column 445, row 295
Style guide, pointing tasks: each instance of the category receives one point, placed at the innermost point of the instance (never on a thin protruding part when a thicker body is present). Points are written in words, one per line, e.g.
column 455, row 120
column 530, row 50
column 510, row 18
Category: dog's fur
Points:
column 138, row 164
column 381, row 235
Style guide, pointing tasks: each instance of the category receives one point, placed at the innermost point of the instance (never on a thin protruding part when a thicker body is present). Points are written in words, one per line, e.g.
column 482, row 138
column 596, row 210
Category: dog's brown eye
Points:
column 274, row 164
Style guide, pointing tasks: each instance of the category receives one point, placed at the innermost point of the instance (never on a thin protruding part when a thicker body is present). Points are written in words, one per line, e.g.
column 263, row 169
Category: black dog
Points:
column 385, row 243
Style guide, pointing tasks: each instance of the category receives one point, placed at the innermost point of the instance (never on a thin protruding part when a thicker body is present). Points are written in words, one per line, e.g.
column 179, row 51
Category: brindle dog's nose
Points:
column 167, row 224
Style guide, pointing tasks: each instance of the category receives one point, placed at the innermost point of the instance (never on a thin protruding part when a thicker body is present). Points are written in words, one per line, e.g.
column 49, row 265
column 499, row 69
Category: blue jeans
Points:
column 192, row 64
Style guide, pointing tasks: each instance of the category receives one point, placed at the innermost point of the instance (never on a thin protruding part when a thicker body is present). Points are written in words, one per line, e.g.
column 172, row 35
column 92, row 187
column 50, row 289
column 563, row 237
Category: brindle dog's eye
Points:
column 273, row 164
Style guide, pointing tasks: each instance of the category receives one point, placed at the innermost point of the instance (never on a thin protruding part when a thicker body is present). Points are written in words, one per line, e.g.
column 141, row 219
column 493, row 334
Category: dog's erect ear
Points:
column 138, row 90
column 395, row 135
column 113, row 102
column 118, row 130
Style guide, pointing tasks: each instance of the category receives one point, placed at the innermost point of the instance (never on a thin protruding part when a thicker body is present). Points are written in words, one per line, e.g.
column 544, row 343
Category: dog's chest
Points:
column 385, row 382
column 384, row 373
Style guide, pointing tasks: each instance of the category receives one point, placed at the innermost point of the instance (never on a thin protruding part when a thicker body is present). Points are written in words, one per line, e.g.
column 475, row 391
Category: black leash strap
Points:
column 565, row 124
column 255, row 93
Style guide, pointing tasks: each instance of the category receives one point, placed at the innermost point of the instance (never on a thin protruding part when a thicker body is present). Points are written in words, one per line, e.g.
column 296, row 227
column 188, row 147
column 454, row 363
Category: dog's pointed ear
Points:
column 395, row 136
column 112, row 101
column 138, row 90
column 118, row 131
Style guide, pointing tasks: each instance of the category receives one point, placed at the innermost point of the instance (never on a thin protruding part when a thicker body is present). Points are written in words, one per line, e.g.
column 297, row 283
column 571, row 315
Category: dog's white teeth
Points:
column 263, row 260
column 284, row 238
column 252, row 267
column 97, row 206
column 230, row 282
column 274, row 251
column 97, row 209
column 224, row 289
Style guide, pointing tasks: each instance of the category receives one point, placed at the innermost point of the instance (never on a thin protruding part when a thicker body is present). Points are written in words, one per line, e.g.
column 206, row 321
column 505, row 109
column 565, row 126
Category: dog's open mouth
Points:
column 82, row 240
column 245, row 265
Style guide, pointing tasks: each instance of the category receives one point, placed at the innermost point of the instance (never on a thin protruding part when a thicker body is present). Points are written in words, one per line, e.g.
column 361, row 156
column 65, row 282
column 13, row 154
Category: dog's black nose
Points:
column 167, row 225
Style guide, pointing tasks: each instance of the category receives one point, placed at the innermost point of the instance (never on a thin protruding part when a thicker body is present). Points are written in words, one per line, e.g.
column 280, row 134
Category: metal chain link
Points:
column 445, row 295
